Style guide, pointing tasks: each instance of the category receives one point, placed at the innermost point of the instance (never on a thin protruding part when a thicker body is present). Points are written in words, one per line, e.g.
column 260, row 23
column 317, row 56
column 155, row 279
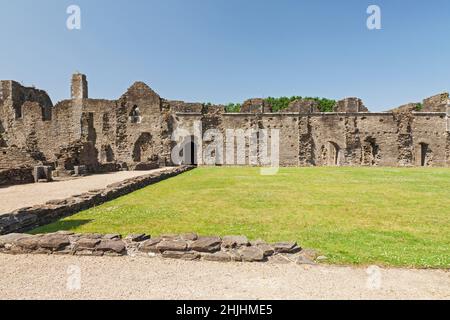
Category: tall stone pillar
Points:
column 79, row 86
column 79, row 92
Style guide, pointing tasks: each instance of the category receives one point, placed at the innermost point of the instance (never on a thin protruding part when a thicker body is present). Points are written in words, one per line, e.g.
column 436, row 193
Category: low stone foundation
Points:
column 186, row 247
column 26, row 219
column 16, row 176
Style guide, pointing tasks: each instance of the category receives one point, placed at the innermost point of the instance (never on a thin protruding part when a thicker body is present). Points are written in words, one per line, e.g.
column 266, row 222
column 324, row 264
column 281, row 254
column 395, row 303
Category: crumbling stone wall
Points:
column 437, row 103
column 22, row 172
column 135, row 131
column 350, row 105
column 347, row 137
column 20, row 157
column 189, row 246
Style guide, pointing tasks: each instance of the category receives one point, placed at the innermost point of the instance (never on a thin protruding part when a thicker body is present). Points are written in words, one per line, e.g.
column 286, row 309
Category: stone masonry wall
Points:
column 135, row 130
column 188, row 246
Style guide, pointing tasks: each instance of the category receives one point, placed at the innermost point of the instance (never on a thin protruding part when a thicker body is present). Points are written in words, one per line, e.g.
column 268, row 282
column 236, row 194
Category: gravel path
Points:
column 28, row 195
column 46, row 277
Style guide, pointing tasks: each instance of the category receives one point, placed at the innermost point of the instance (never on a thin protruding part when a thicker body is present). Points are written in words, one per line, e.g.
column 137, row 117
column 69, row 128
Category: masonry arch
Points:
column 334, row 154
column 107, row 153
column 370, row 152
column 142, row 148
column 424, row 154
column 189, row 151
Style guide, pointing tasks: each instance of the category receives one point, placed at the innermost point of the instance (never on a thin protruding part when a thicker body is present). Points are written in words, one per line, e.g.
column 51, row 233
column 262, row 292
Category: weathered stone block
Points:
column 252, row 254
column 217, row 257
column 86, row 243
column 310, row 254
column 181, row 255
column 12, row 238
column 207, row 244
column 54, row 241
column 150, row 245
column 29, row 243
column 286, row 247
column 79, row 170
column 172, row 245
column 235, row 242
column 117, row 246
column 267, row 249
column 350, row 105
column 42, row 174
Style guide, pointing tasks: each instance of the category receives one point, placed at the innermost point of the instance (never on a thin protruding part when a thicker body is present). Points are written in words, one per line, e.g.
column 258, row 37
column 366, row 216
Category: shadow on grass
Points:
column 61, row 225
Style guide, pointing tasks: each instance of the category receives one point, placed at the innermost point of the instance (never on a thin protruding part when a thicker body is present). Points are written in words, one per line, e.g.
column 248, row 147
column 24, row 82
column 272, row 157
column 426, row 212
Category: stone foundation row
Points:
column 26, row 219
column 185, row 247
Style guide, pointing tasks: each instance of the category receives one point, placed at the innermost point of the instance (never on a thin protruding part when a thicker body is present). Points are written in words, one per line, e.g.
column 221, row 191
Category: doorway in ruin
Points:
column 142, row 148
column 333, row 154
column 190, row 151
column 425, row 155
column 107, row 154
column 370, row 152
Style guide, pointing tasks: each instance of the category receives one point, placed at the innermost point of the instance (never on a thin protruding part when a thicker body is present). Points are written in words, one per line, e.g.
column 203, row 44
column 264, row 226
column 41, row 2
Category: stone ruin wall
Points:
column 369, row 139
column 135, row 130
column 351, row 137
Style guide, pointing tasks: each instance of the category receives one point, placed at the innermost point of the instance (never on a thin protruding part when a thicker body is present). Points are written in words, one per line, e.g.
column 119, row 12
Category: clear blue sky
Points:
column 228, row 50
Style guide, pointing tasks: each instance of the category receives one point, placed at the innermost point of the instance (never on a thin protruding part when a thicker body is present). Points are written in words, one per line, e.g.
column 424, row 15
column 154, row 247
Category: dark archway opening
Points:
column 142, row 148
column 424, row 149
column 370, row 152
column 334, row 154
column 190, row 151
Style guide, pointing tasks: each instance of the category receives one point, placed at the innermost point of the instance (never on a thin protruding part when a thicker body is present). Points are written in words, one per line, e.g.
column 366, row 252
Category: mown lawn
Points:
column 385, row 216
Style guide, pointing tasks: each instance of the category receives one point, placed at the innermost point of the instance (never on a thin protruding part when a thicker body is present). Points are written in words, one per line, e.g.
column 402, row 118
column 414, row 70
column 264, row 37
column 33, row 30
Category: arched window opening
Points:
column 135, row 115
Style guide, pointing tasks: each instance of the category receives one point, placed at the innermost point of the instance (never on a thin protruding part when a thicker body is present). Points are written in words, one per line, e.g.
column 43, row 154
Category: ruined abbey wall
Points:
column 345, row 139
column 134, row 131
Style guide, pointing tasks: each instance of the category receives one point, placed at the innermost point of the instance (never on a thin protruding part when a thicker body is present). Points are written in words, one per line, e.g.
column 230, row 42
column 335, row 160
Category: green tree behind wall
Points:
column 278, row 104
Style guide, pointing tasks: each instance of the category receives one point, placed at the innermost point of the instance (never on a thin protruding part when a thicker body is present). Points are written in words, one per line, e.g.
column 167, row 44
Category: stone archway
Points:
column 333, row 154
column 189, row 151
column 370, row 152
column 107, row 153
column 425, row 155
column 142, row 151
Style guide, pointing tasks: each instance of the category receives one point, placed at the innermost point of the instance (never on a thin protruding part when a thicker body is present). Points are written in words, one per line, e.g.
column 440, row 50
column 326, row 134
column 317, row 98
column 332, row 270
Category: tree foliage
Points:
column 278, row 104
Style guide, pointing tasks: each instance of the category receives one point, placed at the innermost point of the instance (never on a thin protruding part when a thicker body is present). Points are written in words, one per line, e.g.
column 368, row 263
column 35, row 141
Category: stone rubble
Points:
column 184, row 247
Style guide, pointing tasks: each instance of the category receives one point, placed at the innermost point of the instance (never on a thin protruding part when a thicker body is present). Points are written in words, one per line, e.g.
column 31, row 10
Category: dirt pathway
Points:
column 28, row 195
column 47, row 277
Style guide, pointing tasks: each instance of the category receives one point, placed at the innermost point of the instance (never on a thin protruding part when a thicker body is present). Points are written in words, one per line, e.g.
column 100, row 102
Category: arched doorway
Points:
column 142, row 148
column 370, row 152
column 425, row 154
column 333, row 154
column 190, row 151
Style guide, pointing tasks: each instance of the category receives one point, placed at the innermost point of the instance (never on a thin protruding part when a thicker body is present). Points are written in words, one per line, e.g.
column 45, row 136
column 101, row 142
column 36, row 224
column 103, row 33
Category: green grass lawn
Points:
column 385, row 216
